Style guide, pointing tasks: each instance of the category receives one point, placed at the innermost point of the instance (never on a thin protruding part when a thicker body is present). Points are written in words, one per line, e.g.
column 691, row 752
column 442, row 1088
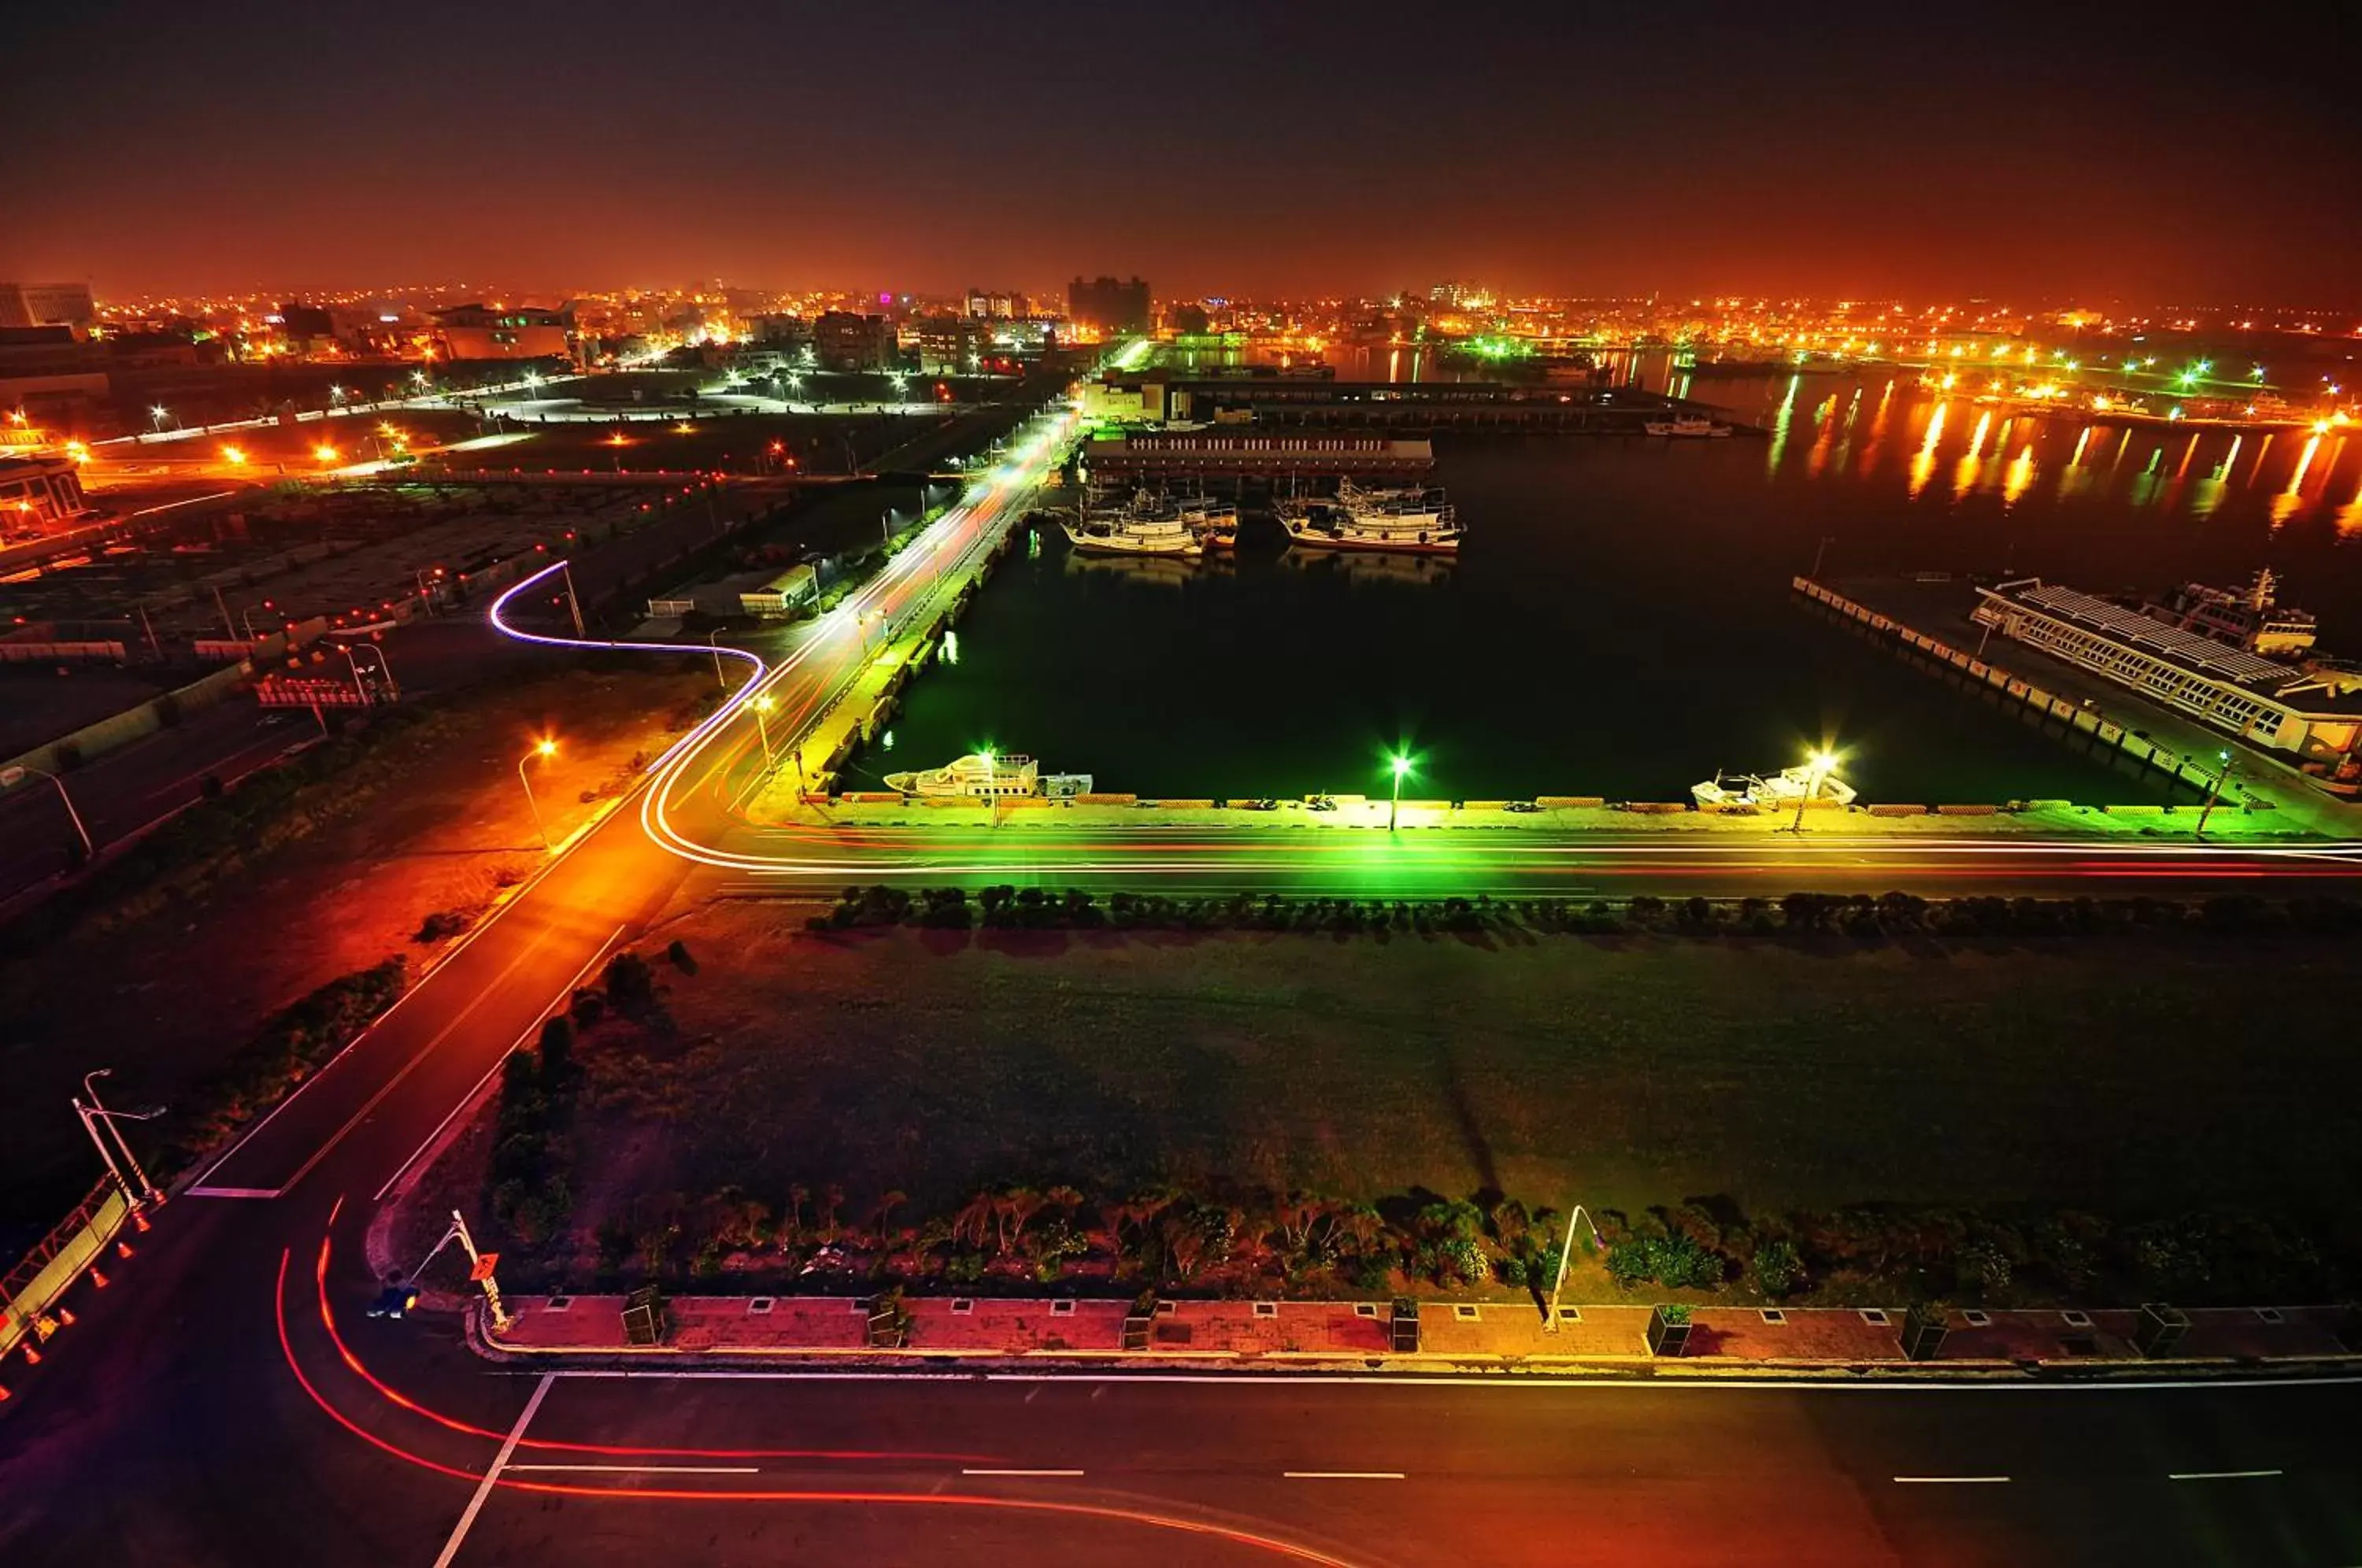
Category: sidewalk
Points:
column 1338, row 1335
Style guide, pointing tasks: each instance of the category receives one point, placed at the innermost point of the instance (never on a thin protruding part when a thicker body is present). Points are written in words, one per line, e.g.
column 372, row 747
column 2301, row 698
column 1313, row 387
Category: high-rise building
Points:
column 996, row 305
column 1108, row 306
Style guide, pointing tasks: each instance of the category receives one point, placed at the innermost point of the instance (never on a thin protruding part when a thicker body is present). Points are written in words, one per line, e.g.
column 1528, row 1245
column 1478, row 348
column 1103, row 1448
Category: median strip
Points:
column 1021, row 1473
column 1950, row 1480
column 2221, row 1474
column 1341, row 1475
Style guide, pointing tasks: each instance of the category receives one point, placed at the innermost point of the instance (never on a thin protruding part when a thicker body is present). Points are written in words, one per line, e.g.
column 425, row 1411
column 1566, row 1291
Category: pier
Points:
column 1896, row 611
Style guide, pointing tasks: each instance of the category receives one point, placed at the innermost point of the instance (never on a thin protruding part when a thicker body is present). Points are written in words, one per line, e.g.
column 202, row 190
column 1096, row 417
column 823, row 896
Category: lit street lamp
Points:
column 1401, row 767
column 11, row 777
column 540, row 748
column 762, row 705
column 1819, row 766
column 2214, row 791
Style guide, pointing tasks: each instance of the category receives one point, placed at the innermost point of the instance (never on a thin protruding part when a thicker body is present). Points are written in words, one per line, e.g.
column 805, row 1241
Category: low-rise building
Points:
column 477, row 331
column 39, row 491
column 845, row 341
column 48, row 304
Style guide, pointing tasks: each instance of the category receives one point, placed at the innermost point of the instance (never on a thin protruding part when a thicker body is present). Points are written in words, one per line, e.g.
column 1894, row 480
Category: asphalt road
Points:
column 203, row 1410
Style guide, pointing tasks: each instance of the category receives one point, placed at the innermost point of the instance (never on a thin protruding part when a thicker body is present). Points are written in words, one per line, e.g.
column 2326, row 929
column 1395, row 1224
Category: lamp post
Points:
column 762, row 705
column 91, row 1113
column 1566, row 1251
column 1819, row 766
column 2214, row 791
column 11, row 777
column 540, row 748
column 1394, row 807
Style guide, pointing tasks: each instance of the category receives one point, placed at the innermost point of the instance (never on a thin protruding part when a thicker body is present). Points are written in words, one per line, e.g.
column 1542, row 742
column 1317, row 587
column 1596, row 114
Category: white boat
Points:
column 1685, row 424
column 1216, row 522
column 1785, row 787
column 1149, row 526
column 1405, row 521
column 988, row 776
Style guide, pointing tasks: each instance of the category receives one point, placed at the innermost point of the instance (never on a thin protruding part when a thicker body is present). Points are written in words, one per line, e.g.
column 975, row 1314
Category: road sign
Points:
column 308, row 692
column 481, row 1269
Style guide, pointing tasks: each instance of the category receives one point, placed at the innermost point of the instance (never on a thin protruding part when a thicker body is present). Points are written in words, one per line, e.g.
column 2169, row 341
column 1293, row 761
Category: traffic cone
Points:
column 123, row 1248
column 32, row 1354
column 139, row 1218
column 98, row 1277
column 65, row 1317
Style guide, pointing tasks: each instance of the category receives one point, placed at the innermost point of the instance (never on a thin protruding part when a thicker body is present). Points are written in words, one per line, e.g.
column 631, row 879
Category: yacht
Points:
column 1782, row 789
column 1405, row 521
column 1685, row 424
column 988, row 776
column 1148, row 525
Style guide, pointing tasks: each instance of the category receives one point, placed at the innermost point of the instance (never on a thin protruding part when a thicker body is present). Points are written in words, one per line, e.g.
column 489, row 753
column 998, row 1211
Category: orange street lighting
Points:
column 235, row 456
column 544, row 748
column 325, row 454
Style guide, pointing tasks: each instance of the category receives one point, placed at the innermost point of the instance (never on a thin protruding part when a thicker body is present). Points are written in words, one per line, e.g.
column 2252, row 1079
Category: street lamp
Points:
column 1401, row 765
column 2214, row 791
column 11, row 777
column 157, row 414
column 540, row 748
column 1818, row 767
column 762, row 705
column 91, row 1113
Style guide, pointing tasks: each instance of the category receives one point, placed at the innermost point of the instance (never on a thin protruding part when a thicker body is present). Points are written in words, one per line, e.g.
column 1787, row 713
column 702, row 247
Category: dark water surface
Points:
column 1619, row 622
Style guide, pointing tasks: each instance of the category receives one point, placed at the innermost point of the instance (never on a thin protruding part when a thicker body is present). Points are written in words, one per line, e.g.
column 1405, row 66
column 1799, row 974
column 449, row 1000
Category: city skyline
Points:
column 1546, row 154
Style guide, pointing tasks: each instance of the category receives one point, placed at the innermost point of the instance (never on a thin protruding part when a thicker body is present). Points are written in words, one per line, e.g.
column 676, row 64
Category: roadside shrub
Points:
column 1675, row 1262
column 1777, row 1269
column 442, row 924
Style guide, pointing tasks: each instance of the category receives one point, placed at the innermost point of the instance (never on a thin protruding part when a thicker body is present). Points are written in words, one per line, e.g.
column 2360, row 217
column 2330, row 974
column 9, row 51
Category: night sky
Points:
column 1909, row 148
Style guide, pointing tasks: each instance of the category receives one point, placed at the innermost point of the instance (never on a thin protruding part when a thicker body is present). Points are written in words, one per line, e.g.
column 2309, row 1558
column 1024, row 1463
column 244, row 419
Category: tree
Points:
column 556, row 1048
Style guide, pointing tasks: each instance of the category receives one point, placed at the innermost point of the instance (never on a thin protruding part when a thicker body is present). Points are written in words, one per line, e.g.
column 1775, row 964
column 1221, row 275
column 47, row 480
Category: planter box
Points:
column 1667, row 1338
column 1924, row 1329
column 2161, row 1327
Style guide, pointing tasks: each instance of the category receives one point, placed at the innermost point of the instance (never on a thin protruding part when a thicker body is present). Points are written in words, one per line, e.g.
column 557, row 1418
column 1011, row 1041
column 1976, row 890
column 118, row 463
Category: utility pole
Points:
column 10, row 777
column 479, row 1267
column 573, row 600
column 1826, row 540
column 94, row 1112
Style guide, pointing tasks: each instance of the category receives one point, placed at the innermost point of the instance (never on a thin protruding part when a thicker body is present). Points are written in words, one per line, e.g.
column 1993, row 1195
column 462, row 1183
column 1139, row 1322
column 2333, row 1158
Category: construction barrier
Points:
column 2134, row 810
column 43, row 1275
column 1483, row 805
column 1968, row 810
column 1572, row 802
column 1105, row 800
column 940, row 800
column 1181, row 805
column 1898, row 810
column 1657, row 808
column 1022, row 802
column 875, row 797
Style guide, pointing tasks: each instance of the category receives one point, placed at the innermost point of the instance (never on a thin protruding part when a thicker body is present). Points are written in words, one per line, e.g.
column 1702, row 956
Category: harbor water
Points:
column 1619, row 622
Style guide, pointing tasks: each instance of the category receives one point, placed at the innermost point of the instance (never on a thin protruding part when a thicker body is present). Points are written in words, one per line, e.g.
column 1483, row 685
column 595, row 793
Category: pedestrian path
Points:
column 1339, row 1334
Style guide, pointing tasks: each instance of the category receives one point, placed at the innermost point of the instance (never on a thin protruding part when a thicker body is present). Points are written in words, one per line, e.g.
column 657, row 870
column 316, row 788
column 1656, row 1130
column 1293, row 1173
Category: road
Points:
column 224, row 1401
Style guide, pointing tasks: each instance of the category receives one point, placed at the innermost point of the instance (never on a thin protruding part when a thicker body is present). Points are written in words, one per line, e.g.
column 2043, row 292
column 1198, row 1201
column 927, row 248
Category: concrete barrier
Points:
column 1206, row 805
column 133, row 724
column 1105, row 800
column 1483, row 805
column 875, row 797
column 1023, row 802
column 1898, row 810
column 1657, row 808
column 1968, row 810
column 1572, row 802
column 942, row 801
column 2134, row 810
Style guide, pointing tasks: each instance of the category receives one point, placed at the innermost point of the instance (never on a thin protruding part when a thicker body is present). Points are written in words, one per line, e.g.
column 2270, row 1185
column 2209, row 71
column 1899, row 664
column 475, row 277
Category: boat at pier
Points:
column 1146, row 526
column 1403, row 522
column 988, row 776
column 1685, row 424
column 1785, row 787
column 1215, row 522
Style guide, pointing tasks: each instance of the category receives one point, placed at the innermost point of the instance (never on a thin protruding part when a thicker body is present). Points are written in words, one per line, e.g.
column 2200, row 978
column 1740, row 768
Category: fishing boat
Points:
column 1730, row 791
column 1146, row 526
column 1405, row 521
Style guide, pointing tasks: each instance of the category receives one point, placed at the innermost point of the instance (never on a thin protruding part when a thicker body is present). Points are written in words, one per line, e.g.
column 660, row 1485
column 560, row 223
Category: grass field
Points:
column 2127, row 1077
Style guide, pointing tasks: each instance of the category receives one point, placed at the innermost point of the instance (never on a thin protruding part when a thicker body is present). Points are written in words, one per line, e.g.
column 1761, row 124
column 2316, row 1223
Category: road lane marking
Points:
column 643, row 1469
column 1536, row 1383
column 465, row 1100
column 234, row 1191
column 1021, row 1473
column 492, row 1476
column 1950, row 1480
column 1341, row 1475
column 2221, row 1474
column 490, row 990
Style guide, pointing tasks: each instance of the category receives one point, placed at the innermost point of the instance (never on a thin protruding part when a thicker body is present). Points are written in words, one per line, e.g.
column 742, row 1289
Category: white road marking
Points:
column 1950, row 1480
column 2221, row 1474
column 1021, row 1473
column 1341, row 1475
column 492, row 1476
column 641, row 1469
column 469, row 1098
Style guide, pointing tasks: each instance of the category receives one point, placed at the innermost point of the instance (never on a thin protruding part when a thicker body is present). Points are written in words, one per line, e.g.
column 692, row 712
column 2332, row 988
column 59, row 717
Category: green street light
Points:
column 1401, row 765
